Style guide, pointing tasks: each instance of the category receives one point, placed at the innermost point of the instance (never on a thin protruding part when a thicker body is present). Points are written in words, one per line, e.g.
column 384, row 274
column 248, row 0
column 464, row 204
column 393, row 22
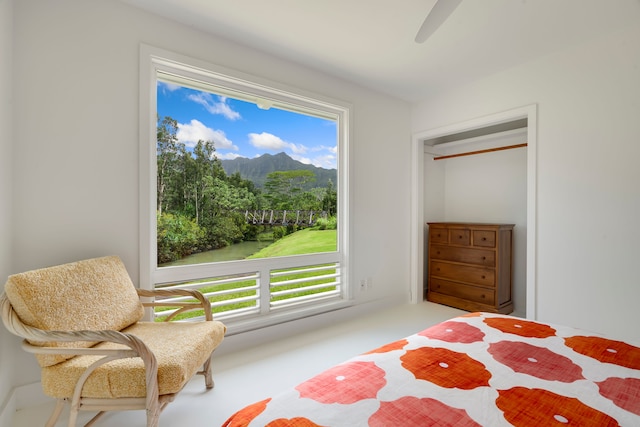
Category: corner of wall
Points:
column 6, row 149
column 25, row 396
column 7, row 410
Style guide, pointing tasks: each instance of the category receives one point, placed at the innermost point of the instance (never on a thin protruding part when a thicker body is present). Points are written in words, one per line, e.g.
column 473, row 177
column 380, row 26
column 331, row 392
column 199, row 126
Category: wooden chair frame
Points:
column 153, row 403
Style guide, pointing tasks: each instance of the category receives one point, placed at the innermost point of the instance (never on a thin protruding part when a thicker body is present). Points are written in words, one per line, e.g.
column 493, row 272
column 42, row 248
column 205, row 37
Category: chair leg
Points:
column 95, row 418
column 153, row 416
column 206, row 371
column 73, row 416
column 53, row 418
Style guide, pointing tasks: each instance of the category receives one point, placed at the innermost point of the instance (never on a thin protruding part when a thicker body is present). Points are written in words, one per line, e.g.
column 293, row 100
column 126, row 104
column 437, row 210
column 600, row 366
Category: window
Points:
column 243, row 192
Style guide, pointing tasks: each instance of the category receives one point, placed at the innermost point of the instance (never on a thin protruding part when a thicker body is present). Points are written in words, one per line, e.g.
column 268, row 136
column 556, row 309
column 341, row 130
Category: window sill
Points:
column 247, row 324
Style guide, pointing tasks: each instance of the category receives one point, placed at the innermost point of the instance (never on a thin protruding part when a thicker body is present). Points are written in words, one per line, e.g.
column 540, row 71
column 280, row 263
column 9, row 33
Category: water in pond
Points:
column 233, row 252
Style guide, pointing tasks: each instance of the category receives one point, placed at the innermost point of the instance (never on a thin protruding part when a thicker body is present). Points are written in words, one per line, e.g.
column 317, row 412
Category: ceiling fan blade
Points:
column 439, row 13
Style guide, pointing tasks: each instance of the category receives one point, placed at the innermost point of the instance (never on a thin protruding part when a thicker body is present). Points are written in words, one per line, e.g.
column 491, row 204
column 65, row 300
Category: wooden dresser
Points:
column 469, row 266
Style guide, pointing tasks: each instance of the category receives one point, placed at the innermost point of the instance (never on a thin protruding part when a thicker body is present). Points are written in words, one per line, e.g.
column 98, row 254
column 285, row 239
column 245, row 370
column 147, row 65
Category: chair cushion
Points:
column 181, row 348
column 91, row 294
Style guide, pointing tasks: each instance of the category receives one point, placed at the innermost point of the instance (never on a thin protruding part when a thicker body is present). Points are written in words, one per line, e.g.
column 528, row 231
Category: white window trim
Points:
column 179, row 67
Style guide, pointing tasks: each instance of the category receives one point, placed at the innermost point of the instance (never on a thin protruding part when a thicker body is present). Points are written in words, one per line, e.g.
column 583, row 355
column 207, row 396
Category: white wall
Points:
column 588, row 196
column 489, row 187
column 76, row 141
column 9, row 343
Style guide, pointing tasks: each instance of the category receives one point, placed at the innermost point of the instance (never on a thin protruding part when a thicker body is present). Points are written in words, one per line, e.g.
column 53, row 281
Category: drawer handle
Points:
column 438, row 253
column 484, row 258
column 484, row 239
column 484, row 277
column 482, row 296
column 460, row 237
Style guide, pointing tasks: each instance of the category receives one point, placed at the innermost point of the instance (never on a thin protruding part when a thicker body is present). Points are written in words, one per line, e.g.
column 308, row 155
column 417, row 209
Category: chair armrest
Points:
column 14, row 325
column 135, row 347
column 202, row 303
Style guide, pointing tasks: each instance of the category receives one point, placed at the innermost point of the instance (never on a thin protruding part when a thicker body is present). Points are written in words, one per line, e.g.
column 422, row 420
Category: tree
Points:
column 201, row 176
column 330, row 200
column 178, row 236
column 309, row 200
column 168, row 152
column 282, row 187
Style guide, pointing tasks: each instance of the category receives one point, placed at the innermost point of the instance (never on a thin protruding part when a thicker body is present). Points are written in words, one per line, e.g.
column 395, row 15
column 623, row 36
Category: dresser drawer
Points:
column 465, row 255
column 463, row 273
column 459, row 236
column 438, row 235
column 466, row 292
column 484, row 238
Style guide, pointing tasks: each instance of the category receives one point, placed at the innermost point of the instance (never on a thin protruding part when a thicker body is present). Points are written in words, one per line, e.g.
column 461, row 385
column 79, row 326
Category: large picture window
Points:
column 243, row 184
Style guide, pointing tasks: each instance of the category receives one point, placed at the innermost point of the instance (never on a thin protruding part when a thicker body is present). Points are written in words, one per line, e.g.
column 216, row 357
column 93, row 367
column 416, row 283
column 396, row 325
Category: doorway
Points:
column 482, row 135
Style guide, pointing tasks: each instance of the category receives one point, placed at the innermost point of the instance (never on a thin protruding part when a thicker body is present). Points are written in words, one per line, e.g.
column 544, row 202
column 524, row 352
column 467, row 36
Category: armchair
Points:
column 83, row 323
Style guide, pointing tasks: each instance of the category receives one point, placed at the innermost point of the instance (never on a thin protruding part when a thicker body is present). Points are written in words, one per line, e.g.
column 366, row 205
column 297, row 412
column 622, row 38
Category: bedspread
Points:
column 479, row 369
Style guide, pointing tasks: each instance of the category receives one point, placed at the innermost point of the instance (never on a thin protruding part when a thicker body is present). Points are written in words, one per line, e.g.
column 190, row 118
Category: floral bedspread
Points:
column 480, row 369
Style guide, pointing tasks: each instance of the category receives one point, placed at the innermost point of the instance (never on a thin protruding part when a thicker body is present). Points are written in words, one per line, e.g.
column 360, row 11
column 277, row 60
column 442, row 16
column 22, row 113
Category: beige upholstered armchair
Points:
column 83, row 323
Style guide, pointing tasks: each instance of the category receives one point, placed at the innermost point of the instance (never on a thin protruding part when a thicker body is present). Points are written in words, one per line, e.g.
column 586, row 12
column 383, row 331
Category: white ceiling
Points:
column 371, row 42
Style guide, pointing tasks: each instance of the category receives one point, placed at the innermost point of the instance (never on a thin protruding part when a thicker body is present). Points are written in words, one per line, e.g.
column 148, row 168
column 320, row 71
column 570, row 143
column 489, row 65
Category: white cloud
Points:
column 169, row 86
column 326, row 156
column 328, row 161
column 267, row 141
column 215, row 107
column 228, row 156
column 305, row 160
column 332, row 149
column 298, row 148
column 196, row 131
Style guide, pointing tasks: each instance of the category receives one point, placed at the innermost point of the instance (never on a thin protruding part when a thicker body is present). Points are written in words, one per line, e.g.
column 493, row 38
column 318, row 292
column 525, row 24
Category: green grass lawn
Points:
column 305, row 241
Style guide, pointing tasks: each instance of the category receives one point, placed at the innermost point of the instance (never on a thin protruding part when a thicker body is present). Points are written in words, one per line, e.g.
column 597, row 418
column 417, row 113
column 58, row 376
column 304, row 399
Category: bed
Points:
column 479, row 369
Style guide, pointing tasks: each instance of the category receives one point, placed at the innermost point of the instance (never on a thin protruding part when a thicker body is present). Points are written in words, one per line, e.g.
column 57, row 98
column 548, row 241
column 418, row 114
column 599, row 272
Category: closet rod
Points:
column 469, row 153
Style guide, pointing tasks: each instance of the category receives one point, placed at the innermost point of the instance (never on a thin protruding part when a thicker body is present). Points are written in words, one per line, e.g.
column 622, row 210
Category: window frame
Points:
column 254, row 89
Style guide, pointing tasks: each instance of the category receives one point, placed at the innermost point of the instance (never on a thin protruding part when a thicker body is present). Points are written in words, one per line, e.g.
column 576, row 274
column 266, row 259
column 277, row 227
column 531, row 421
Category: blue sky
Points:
column 240, row 129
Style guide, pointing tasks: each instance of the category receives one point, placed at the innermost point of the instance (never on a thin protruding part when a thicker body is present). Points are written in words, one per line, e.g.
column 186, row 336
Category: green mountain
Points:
column 258, row 168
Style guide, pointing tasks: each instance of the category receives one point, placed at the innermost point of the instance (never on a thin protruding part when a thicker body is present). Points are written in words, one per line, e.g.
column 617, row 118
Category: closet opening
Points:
column 480, row 171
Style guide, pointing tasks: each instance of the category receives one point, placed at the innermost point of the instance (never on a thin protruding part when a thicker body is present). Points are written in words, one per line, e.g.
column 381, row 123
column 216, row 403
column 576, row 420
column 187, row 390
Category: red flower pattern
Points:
column 454, row 332
column 446, row 368
column 411, row 411
column 535, row 407
column 346, row 383
column 624, row 392
column 397, row 345
column 606, row 350
column 293, row 422
column 523, row 328
column 536, row 361
column 244, row 416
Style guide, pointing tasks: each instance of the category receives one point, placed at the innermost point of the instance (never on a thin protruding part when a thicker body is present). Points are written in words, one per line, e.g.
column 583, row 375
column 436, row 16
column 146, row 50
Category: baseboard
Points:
column 29, row 395
column 21, row 397
column 8, row 409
